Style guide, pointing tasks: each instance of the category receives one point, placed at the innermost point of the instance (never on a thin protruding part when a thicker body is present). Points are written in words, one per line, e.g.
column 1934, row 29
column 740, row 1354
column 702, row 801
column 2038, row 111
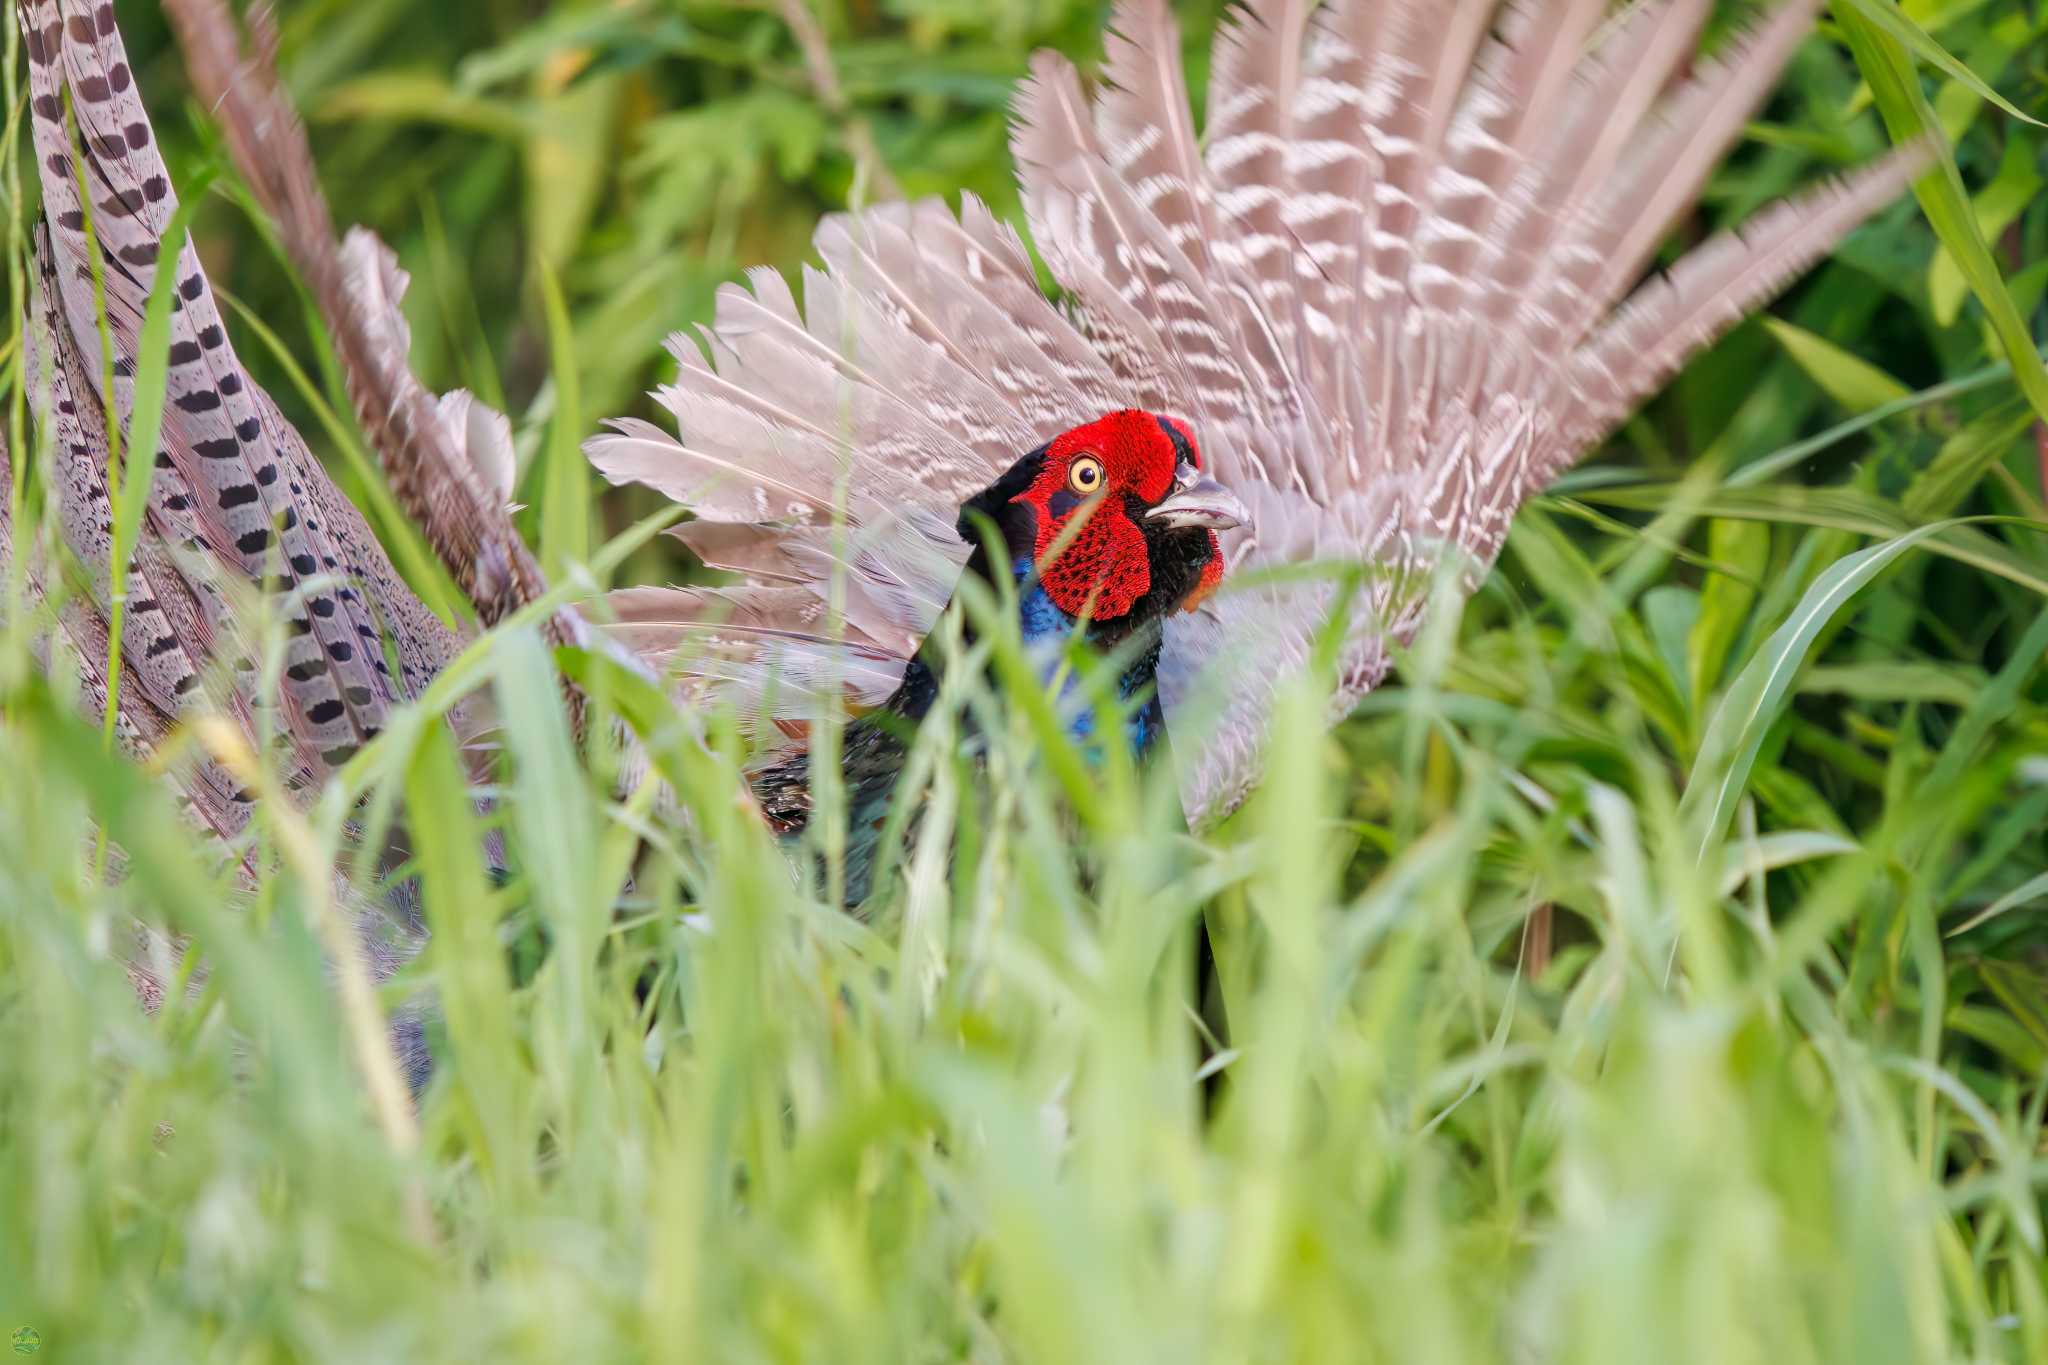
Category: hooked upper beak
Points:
column 1198, row 501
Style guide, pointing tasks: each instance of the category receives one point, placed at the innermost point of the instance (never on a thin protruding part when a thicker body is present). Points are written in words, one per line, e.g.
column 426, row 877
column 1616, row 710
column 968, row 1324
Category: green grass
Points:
column 1655, row 970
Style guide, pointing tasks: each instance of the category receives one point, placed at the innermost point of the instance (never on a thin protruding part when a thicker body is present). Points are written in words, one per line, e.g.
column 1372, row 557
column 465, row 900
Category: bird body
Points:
column 1389, row 292
column 1102, row 533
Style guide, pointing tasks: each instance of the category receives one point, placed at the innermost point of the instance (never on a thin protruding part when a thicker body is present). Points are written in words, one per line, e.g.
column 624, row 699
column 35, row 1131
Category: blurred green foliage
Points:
column 646, row 150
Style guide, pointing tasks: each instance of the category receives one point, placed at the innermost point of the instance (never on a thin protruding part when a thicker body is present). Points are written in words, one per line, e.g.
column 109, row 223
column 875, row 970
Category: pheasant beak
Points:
column 1198, row 501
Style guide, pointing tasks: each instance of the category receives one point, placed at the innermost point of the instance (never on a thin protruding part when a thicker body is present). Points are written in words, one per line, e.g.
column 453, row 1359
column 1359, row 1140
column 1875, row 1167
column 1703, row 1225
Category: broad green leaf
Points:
column 1896, row 680
column 1769, row 466
column 1885, row 19
column 422, row 98
column 1992, row 47
column 1850, row 380
column 1964, row 459
column 1672, row 613
column 1841, row 508
column 2021, row 990
column 572, row 30
column 2029, row 286
column 1783, row 848
column 2000, row 1032
column 1725, row 601
column 1990, row 708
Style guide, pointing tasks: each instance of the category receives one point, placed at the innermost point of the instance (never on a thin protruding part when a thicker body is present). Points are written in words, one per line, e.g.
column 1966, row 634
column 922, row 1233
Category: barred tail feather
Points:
column 1718, row 284
column 238, row 481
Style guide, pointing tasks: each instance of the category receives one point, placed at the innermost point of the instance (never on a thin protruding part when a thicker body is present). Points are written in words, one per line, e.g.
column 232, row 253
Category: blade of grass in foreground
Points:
column 565, row 509
column 1758, row 695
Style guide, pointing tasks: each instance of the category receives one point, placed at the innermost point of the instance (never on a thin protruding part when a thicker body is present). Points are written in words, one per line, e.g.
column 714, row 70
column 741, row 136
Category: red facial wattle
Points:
column 1103, row 570
column 1104, row 566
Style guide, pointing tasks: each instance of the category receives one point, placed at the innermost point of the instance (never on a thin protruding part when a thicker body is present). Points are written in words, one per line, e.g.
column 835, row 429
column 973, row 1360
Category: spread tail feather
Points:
column 1386, row 284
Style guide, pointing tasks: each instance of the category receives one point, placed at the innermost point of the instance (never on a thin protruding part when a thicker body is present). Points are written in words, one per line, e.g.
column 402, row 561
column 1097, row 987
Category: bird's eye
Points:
column 1084, row 476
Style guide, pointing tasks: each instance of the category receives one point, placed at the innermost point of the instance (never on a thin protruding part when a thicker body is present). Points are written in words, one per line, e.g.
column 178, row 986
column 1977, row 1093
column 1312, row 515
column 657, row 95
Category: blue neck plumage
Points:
column 877, row 744
column 1047, row 632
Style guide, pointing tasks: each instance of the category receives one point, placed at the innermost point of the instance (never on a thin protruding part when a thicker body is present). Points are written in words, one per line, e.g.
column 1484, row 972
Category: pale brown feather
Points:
column 1383, row 287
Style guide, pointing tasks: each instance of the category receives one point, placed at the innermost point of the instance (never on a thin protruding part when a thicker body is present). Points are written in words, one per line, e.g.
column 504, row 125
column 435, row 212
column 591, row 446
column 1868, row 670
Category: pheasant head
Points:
column 1110, row 527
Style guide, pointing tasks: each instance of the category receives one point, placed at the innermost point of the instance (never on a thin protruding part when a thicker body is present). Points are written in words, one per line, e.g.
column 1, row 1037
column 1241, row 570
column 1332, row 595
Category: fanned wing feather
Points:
column 1146, row 130
column 1675, row 314
column 765, row 648
column 1383, row 285
column 1698, row 125
column 1256, row 72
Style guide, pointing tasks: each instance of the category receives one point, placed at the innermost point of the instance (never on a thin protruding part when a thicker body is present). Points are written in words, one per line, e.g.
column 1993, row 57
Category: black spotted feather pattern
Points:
column 234, row 482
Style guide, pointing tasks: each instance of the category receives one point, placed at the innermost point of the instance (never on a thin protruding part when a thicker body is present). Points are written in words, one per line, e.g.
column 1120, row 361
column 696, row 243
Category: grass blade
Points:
column 1759, row 693
column 1895, row 85
column 565, row 490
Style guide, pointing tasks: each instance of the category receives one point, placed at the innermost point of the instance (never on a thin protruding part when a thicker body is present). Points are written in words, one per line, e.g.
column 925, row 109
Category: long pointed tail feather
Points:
column 236, row 481
column 356, row 285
